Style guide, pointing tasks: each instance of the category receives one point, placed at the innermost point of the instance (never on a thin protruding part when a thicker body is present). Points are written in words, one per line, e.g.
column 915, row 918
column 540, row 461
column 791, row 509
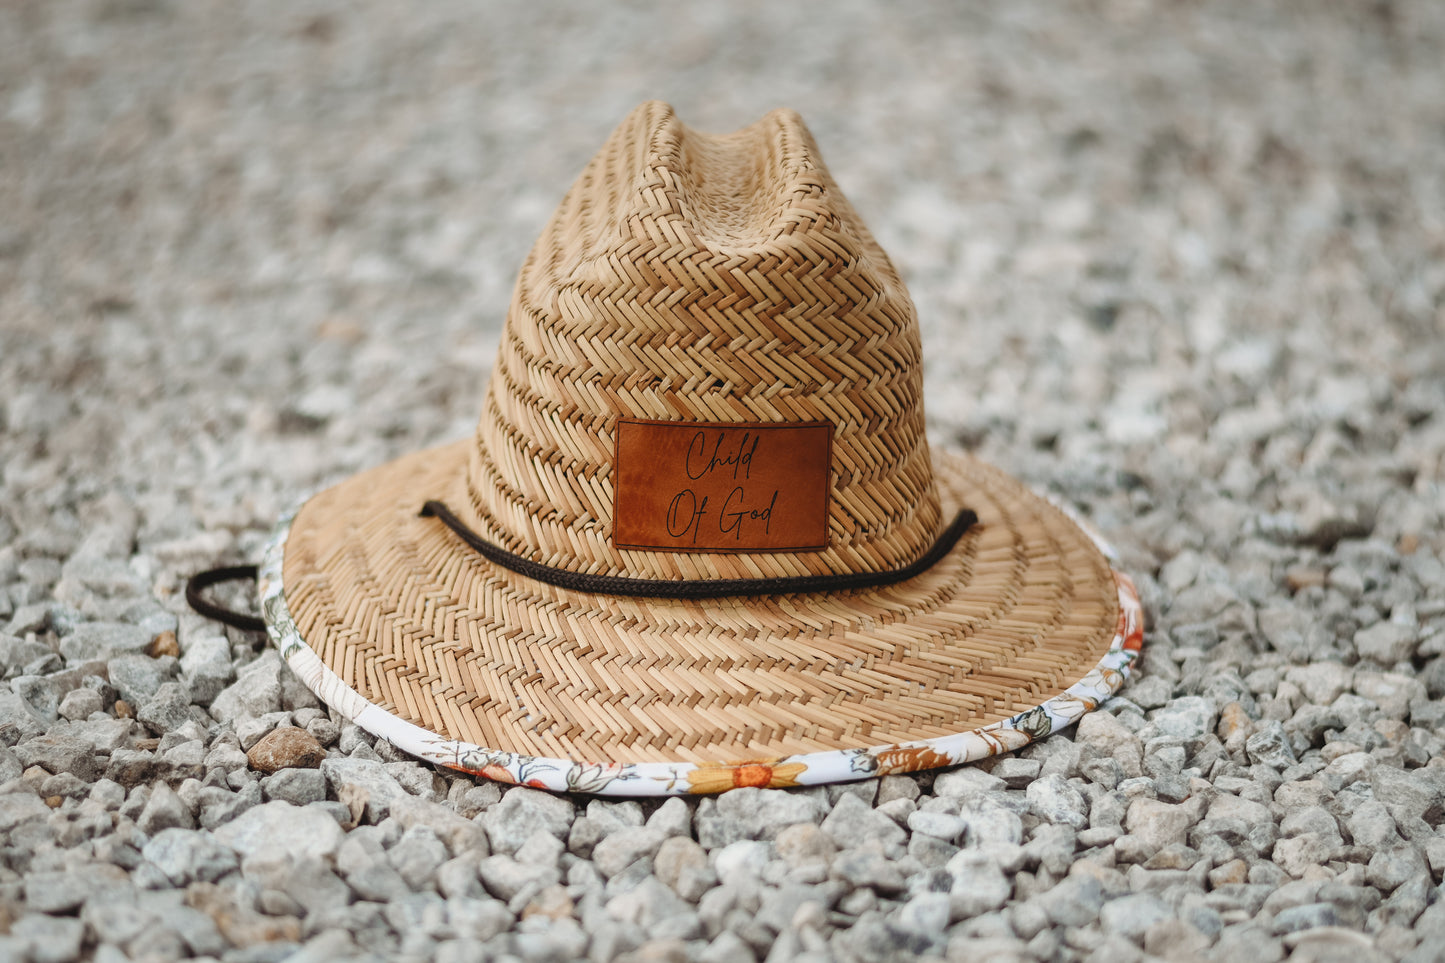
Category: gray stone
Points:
column 10, row 765
column 1310, row 722
column 646, row 904
column 226, row 756
column 745, row 858
column 1372, row 826
column 1016, row 773
column 1226, row 806
column 363, row 780
column 979, row 885
column 477, row 799
column 458, row 878
column 300, row 787
column 1391, row 868
column 185, row 760
column 865, row 866
column 481, row 919
column 279, row 828
column 17, row 652
column 187, row 856
column 1310, row 819
column 1321, row 682
column 623, row 847
column 1131, row 916
column 1159, row 824
column 64, row 784
column 1387, row 643
column 672, row 818
column 79, row 703
column 206, row 668
column 55, row 892
column 164, row 810
column 417, row 856
column 682, row 864
column 926, row 914
column 1188, row 717
column 132, row 767
column 852, row 821
column 523, row 810
column 505, row 877
column 1052, row 798
column 1052, row 847
column 105, row 735
column 463, row 951
column 417, row 780
column 1305, row 917
column 308, row 883
column 1074, row 901
column 1393, row 692
column 1296, row 855
column 49, row 939
column 752, row 813
column 615, row 813
column 584, row 835
column 60, row 753
column 363, row 861
column 459, row 834
column 167, row 710
column 29, row 617
column 1290, row 631
column 220, row 806
column 18, row 719
column 946, row 826
column 329, row 945
column 1270, row 746
column 988, row 823
column 42, row 693
column 103, row 640
column 256, row 691
column 138, row 677
column 966, row 781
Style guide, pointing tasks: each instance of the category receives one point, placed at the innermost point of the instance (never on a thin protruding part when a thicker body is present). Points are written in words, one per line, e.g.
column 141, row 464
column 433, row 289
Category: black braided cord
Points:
column 608, row 584
column 201, row 581
column 699, row 588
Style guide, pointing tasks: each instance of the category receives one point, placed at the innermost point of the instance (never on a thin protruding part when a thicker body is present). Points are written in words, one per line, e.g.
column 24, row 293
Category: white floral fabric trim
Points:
column 668, row 779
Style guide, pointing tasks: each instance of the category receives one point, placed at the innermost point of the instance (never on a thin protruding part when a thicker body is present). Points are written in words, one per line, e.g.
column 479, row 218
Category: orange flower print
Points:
column 1003, row 738
column 1130, row 627
column 910, row 760
column 494, row 772
column 711, row 779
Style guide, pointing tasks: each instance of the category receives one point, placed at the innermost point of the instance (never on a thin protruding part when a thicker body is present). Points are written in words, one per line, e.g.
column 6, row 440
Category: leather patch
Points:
column 688, row 486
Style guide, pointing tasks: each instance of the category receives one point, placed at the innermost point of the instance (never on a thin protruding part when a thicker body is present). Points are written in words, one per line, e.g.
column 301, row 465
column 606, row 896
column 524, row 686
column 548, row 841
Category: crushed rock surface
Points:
column 1181, row 265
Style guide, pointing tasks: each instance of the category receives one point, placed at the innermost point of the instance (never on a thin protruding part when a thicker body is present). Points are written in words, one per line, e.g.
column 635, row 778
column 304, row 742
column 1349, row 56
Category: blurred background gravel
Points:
column 1182, row 265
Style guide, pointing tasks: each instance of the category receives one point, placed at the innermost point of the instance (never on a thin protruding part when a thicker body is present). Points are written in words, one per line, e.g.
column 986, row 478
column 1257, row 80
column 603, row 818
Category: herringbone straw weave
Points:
column 697, row 278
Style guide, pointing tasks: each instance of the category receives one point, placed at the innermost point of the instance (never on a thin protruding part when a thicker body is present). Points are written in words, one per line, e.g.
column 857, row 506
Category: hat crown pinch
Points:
column 700, row 278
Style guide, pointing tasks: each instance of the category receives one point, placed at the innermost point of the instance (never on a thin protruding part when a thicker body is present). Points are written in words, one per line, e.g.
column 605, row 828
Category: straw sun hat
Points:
column 699, row 539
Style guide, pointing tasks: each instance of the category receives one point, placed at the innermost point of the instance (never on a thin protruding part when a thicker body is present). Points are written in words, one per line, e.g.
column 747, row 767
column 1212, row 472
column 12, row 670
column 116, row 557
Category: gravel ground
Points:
column 1182, row 265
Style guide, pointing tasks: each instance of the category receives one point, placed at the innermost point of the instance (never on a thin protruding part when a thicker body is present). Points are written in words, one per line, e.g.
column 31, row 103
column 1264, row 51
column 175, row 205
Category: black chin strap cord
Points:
column 201, row 581
column 607, row 584
column 701, row 588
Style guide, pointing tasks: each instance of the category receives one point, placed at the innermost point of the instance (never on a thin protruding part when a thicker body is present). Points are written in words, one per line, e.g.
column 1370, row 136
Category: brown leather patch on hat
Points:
column 687, row 486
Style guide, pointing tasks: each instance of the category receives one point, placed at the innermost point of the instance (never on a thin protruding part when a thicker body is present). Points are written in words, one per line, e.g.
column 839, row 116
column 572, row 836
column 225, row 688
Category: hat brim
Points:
column 398, row 625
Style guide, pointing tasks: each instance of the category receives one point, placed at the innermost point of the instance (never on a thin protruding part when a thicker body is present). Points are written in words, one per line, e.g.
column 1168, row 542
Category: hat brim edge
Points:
column 686, row 778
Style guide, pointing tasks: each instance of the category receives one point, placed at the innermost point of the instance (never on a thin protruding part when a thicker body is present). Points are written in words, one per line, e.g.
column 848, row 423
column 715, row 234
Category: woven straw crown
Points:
column 689, row 277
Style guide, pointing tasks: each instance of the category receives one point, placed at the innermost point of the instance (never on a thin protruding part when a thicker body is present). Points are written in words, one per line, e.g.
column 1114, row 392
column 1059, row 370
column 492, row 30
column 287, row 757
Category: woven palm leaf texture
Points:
column 699, row 539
